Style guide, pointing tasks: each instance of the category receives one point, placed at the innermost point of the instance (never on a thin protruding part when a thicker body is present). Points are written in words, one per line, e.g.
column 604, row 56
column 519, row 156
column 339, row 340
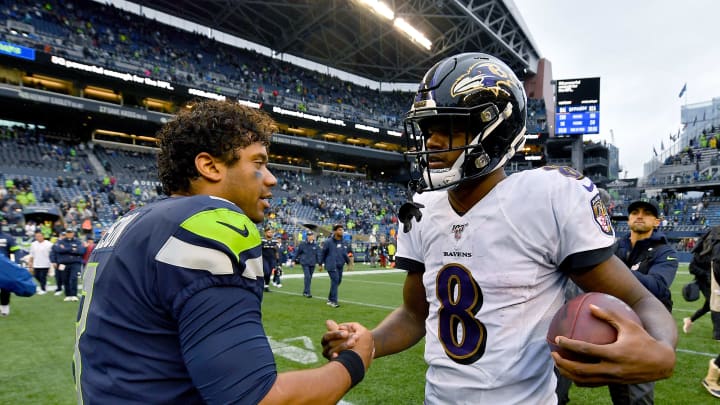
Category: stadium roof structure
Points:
column 345, row 35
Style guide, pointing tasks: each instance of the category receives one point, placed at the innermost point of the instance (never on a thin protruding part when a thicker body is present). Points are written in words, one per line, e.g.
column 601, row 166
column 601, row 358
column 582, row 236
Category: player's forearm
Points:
column 323, row 385
column 656, row 320
column 398, row 331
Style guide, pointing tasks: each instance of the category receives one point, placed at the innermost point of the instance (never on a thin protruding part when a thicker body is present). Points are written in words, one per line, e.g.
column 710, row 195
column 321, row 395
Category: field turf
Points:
column 36, row 343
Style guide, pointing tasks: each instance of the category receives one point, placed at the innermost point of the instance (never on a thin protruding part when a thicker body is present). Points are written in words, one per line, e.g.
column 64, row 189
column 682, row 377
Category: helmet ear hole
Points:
column 489, row 113
column 482, row 161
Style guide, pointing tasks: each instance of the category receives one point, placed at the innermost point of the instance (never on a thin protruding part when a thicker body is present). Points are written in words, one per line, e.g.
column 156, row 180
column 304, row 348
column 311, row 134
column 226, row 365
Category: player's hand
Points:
column 346, row 336
column 364, row 343
column 335, row 340
column 635, row 357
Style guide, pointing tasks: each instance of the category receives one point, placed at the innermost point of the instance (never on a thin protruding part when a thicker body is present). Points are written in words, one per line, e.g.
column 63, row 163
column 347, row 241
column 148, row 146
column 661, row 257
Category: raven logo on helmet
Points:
column 482, row 76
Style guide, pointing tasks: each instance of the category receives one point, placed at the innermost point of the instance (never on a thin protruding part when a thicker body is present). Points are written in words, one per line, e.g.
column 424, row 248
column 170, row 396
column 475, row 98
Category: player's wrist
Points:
column 354, row 365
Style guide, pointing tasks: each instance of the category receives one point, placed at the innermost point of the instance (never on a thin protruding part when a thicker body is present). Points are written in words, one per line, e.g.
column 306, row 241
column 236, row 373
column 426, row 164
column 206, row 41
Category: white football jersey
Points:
column 493, row 283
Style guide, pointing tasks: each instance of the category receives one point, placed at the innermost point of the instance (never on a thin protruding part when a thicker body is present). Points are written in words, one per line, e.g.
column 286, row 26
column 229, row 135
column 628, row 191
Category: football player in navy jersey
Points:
column 487, row 254
column 170, row 311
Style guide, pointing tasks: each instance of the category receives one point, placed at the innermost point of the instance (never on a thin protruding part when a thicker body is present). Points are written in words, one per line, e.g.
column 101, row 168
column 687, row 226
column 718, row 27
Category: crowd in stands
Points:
column 119, row 40
column 32, row 148
column 122, row 41
column 134, row 164
column 678, row 214
column 90, row 200
column 362, row 206
column 536, row 116
column 696, row 163
column 708, row 138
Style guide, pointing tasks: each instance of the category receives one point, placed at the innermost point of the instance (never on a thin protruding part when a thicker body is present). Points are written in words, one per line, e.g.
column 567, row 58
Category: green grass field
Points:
column 36, row 344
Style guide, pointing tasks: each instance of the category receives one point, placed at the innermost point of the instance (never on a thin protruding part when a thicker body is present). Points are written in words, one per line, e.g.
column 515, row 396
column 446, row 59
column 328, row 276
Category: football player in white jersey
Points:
column 487, row 254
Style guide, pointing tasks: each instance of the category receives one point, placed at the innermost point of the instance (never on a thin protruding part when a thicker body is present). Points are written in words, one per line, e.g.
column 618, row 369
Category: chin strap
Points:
column 407, row 212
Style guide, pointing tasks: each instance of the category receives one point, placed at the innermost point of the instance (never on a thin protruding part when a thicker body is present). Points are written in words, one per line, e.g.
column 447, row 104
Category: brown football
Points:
column 575, row 321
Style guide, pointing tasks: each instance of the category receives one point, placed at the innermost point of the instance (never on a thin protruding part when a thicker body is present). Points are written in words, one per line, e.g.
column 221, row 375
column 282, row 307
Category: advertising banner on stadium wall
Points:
column 84, row 104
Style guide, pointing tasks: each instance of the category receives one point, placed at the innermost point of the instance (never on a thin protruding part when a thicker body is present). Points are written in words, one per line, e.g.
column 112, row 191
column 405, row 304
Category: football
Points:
column 575, row 321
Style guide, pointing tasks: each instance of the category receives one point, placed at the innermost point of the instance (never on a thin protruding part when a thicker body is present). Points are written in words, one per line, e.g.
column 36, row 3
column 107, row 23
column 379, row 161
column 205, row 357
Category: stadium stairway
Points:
column 95, row 163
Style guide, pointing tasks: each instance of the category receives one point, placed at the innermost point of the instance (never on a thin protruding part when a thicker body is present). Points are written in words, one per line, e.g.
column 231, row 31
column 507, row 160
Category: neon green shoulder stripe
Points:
column 231, row 228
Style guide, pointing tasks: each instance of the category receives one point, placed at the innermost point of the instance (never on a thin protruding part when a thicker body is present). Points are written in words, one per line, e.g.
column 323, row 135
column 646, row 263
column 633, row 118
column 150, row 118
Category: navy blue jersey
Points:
column 171, row 308
column 7, row 244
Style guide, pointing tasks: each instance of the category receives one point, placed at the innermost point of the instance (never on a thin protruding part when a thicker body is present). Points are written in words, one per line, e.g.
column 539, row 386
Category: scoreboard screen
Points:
column 578, row 106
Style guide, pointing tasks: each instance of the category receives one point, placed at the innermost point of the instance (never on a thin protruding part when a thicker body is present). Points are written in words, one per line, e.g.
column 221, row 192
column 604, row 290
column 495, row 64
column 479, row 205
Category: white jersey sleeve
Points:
column 586, row 235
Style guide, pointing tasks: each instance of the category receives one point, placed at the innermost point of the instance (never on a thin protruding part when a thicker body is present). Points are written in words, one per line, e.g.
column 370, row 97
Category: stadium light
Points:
column 379, row 8
column 413, row 33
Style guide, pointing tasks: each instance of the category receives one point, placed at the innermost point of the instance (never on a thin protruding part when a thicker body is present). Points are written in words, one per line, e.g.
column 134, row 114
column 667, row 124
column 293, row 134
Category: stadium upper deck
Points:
column 78, row 41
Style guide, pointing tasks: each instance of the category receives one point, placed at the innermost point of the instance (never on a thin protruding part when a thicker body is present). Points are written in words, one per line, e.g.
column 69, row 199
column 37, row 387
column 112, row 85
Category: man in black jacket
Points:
column 700, row 269
column 711, row 382
column 69, row 254
column 269, row 256
column 307, row 255
column 654, row 263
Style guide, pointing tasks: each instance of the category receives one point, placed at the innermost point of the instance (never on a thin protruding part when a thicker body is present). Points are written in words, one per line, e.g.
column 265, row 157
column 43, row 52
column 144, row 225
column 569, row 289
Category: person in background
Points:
column 372, row 249
column 391, row 249
column 40, row 260
column 711, row 382
column 653, row 261
column 69, row 253
column 334, row 257
column 282, row 260
column 487, row 255
column 171, row 311
column 269, row 257
column 351, row 257
column 700, row 268
column 89, row 246
column 307, row 255
column 56, row 270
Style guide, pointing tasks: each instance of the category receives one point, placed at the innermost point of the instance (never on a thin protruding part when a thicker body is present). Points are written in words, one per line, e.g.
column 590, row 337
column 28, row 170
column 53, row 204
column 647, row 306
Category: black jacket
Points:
column 68, row 251
column 653, row 261
column 334, row 254
column 269, row 253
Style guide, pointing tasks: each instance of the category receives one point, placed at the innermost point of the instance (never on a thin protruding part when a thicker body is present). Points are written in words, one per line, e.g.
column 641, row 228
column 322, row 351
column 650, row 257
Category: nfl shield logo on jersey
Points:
column 458, row 230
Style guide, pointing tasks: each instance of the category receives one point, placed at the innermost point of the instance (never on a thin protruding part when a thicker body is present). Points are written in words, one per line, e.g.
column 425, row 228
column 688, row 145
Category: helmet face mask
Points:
column 479, row 104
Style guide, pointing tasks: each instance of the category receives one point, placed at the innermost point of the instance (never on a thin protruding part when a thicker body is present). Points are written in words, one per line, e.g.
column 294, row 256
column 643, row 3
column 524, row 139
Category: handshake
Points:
column 352, row 345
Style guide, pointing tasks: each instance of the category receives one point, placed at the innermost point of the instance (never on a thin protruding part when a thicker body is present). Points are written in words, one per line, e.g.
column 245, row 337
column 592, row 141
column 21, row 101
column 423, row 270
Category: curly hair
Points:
column 216, row 127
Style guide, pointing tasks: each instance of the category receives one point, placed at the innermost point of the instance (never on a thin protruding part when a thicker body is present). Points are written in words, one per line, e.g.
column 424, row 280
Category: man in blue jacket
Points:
column 307, row 255
column 69, row 254
column 334, row 256
column 646, row 251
